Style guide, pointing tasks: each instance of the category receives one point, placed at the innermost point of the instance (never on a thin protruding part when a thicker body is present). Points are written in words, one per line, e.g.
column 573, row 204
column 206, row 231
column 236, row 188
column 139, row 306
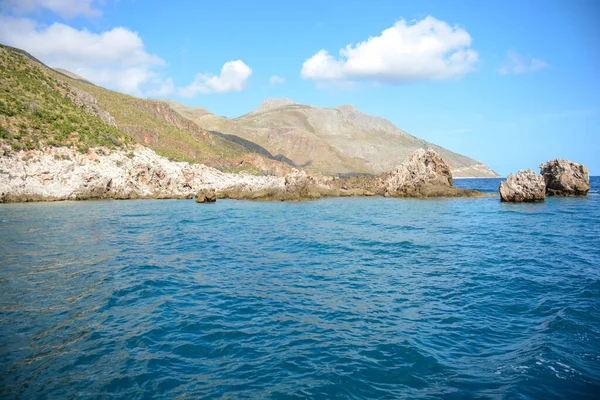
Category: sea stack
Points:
column 565, row 178
column 423, row 173
column 525, row 186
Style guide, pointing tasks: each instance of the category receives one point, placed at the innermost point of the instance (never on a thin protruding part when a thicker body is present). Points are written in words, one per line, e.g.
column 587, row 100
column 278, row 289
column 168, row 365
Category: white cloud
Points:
column 115, row 59
column 69, row 46
column 429, row 49
column 233, row 78
column 520, row 64
column 64, row 8
column 276, row 80
column 139, row 81
column 161, row 88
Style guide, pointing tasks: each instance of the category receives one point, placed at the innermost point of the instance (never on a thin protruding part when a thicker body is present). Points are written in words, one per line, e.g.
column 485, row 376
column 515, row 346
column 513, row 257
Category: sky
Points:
column 509, row 83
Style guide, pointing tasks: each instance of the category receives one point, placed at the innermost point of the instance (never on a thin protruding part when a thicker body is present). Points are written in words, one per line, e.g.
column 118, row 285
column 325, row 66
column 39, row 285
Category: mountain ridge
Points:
column 331, row 141
column 336, row 140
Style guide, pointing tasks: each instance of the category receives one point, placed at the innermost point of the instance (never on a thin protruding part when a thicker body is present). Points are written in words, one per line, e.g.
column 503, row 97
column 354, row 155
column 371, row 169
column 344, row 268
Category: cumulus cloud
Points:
column 161, row 88
column 233, row 78
column 276, row 80
column 519, row 64
column 115, row 59
column 70, row 46
column 64, row 8
column 139, row 81
column 429, row 49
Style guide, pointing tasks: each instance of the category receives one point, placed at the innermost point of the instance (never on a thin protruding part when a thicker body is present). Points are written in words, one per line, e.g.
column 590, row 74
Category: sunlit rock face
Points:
column 565, row 178
column 525, row 186
column 421, row 172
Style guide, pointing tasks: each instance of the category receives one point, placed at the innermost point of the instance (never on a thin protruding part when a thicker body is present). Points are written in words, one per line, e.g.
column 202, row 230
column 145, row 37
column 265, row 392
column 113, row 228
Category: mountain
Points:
column 40, row 106
column 330, row 140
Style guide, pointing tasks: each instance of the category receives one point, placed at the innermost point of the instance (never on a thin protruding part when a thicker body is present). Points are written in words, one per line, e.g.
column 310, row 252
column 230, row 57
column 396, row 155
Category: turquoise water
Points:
column 337, row 298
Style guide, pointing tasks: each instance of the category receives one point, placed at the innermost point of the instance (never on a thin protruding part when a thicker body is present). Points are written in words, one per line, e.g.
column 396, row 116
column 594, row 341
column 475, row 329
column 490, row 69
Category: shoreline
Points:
column 257, row 200
column 59, row 173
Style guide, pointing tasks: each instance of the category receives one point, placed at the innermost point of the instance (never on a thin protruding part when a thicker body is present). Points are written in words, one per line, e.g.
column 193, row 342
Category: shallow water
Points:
column 337, row 298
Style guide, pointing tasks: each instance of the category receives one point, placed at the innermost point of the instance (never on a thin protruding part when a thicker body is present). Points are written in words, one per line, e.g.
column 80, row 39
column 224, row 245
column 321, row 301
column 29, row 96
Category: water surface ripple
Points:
column 337, row 298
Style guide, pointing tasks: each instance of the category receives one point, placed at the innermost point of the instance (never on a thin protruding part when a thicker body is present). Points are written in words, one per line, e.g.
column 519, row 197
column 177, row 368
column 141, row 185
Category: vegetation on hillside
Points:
column 149, row 123
column 36, row 110
column 40, row 107
column 44, row 107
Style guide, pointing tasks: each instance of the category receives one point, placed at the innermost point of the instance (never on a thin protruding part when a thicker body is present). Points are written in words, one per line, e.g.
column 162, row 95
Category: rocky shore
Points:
column 59, row 173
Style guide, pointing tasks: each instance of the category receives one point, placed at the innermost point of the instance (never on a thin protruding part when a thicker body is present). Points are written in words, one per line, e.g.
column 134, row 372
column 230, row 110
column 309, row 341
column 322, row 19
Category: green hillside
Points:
column 155, row 125
column 41, row 106
column 36, row 109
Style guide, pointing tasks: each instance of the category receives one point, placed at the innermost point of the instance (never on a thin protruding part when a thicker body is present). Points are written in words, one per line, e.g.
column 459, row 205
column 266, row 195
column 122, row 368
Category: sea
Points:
column 342, row 298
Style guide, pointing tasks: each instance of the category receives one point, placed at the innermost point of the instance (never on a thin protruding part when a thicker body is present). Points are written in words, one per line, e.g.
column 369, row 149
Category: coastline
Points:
column 137, row 172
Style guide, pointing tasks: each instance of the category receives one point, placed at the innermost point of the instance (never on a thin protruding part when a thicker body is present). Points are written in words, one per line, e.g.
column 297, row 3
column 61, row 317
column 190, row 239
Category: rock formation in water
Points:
column 565, row 178
column 525, row 186
column 206, row 196
column 296, row 185
column 422, row 173
column 299, row 181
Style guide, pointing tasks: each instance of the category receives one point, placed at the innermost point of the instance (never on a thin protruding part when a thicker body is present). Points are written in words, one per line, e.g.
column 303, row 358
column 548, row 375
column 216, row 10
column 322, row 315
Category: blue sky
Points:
column 522, row 88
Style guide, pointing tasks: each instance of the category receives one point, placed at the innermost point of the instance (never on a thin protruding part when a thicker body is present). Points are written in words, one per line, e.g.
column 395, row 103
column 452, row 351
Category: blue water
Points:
column 336, row 298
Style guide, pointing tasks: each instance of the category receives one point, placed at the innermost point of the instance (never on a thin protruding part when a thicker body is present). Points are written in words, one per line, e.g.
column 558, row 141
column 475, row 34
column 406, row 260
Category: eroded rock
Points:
column 360, row 185
column 206, row 196
column 525, row 186
column 300, row 183
column 422, row 174
column 138, row 172
column 565, row 178
column 64, row 174
column 89, row 103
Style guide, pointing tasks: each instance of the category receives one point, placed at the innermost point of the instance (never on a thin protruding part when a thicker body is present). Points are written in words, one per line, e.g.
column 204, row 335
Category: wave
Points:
column 343, row 298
